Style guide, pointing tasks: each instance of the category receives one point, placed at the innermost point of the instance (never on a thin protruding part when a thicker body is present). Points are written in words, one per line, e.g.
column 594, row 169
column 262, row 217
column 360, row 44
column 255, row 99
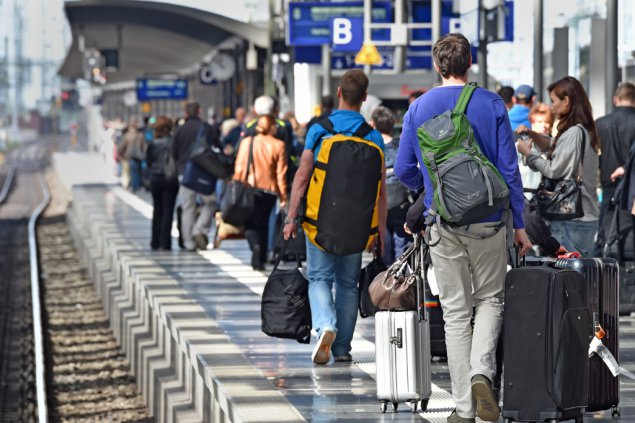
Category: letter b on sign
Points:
column 342, row 31
column 347, row 34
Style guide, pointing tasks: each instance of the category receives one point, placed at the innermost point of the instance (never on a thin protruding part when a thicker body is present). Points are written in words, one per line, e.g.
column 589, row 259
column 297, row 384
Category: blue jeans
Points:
column 575, row 235
column 396, row 239
column 135, row 174
column 340, row 313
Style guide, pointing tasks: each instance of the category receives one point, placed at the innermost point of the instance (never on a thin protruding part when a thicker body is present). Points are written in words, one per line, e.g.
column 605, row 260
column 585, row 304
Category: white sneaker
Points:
column 322, row 352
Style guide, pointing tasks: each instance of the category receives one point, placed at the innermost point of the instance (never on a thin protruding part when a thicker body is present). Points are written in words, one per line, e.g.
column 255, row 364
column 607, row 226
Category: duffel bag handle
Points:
column 284, row 248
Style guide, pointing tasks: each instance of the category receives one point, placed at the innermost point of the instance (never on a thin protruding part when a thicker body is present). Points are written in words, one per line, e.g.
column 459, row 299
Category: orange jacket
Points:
column 269, row 165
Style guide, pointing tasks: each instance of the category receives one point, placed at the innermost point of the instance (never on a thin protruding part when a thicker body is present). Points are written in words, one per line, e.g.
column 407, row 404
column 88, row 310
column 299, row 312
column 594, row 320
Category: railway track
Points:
column 45, row 303
column 18, row 388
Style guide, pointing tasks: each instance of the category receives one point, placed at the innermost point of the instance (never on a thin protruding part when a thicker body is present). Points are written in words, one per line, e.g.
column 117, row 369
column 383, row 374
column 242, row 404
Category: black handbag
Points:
column 285, row 310
column 366, row 277
column 237, row 204
column 561, row 199
column 197, row 179
column 210, row 159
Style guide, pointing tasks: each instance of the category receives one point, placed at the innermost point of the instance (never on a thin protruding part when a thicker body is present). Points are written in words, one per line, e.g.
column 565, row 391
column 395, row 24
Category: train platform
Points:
column 189, row 324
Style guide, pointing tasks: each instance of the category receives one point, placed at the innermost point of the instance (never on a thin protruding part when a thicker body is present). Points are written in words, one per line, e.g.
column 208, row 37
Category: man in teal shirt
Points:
column 334, row 318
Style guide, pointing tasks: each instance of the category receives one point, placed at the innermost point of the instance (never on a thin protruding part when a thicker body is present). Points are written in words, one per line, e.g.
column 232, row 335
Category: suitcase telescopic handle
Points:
column 420, row 275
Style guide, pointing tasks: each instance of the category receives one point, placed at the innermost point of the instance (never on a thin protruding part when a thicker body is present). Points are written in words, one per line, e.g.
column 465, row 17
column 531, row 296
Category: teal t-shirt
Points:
column 344, row 122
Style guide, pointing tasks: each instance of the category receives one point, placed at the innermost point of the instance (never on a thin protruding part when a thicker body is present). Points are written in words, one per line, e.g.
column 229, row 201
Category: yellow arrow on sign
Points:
column 368, row 55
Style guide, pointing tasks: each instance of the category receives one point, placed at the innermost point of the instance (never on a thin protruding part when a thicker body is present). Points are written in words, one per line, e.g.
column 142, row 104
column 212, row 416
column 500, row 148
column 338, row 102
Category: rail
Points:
column 38, row 335
column 6, row 187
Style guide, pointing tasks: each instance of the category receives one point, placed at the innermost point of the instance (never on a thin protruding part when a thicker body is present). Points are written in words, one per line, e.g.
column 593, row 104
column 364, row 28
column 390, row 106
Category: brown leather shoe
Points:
column 486, row 406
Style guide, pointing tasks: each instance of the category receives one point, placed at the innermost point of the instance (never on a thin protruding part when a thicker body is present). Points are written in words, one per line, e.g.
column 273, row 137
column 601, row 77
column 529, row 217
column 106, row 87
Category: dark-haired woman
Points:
column 164, row 187
column 268, row 176
column 574, row 151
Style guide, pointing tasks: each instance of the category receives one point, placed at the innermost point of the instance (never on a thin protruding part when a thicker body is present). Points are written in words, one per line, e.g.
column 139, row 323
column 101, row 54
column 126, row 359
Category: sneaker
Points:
column 322, row 352
column 344, row 358
column 486, row 405
column 455, row 418
column 201, row 241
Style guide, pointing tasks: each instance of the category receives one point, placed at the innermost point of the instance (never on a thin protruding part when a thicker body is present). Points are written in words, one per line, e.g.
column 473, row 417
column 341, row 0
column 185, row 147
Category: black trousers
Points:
column 163, row 199
column 257, row 227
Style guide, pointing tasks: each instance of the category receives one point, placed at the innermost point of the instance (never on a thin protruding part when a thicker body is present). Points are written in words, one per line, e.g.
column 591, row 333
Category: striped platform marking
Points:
column 233, row 259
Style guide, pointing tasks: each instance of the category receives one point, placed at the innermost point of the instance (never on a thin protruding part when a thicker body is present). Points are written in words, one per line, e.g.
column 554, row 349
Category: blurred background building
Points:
column 124, row 58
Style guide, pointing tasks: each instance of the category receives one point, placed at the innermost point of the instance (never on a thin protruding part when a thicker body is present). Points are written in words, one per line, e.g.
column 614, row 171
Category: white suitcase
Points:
column 402, row 354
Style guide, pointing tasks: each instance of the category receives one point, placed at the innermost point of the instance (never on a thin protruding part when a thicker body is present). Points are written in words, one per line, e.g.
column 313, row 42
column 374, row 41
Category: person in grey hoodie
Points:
column 574, row 151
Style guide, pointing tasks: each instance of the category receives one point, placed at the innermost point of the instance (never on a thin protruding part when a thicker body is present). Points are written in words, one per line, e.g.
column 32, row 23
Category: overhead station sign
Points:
column 340, row 25
column 310, row 23
column 161, row 89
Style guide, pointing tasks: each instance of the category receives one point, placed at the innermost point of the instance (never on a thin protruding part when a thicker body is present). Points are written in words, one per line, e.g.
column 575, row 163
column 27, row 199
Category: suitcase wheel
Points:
column 414, row 405
column 615, row 411
column 424, row 404
column 507, row 421
column 395, row 406
column 557, row 421
column 383, row 406
column 579, row 419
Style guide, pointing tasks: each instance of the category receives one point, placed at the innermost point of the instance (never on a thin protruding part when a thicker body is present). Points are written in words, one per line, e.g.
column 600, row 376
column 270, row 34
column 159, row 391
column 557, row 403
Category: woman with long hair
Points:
column 574, row 151
column 164, row 185
column 267, row 175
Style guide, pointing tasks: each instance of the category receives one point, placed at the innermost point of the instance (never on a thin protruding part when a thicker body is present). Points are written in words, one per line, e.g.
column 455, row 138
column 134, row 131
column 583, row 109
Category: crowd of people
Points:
column 534, row 147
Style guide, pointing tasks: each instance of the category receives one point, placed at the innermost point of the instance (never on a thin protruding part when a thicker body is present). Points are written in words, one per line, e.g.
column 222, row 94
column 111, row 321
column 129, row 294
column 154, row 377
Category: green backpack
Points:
column 467, row 186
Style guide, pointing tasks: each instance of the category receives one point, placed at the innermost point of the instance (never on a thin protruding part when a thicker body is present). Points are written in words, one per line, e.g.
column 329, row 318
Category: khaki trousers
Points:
column 471, row 276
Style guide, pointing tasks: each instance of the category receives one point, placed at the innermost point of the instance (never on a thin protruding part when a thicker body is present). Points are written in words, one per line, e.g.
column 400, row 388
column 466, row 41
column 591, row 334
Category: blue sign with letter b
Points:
column 347, row 34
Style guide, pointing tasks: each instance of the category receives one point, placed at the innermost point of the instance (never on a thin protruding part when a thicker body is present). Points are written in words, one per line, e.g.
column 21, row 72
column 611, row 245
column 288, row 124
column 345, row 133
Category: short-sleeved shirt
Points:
column 344, row 122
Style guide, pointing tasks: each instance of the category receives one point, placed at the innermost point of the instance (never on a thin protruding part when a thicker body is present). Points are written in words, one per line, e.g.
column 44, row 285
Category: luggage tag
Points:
column 597, row 347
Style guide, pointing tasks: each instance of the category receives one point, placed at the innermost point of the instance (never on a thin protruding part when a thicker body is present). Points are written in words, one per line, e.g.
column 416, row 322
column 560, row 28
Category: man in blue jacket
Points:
column 470, row 272
column 524, row 97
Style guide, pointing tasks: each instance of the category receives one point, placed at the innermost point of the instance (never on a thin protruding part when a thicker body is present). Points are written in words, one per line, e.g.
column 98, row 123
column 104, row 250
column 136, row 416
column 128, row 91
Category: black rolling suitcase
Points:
column 547, row 331
column 618, row 246
column 602, row 276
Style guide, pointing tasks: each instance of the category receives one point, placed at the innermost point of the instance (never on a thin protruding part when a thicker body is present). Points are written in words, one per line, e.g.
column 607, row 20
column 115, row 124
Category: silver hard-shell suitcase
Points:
column 402, row 354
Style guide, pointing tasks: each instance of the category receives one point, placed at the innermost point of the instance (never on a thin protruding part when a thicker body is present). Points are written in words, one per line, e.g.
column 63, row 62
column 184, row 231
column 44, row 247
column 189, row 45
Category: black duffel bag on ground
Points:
column 211, row 159
column 285, row 309
column 237, row 204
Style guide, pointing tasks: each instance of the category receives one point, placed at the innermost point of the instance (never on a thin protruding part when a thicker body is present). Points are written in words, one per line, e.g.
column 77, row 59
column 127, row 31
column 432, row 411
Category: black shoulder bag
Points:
column 210, row 158
column 237, row 204
column 561, row 199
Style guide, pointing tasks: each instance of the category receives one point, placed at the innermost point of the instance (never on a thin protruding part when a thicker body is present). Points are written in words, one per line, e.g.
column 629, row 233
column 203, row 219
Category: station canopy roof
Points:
column 152, row 38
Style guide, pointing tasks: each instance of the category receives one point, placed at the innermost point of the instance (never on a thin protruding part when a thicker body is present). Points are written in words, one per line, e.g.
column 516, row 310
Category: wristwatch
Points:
column 288, row 220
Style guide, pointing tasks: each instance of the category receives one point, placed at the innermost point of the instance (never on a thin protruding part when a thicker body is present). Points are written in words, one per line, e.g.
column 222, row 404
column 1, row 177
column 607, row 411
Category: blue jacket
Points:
column 488, row 116
column 519, row 115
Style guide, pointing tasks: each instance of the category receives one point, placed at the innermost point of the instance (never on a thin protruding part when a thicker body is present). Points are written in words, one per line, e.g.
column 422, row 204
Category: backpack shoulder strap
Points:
column 464, row 98
column 363, row 130
column 328, row 125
